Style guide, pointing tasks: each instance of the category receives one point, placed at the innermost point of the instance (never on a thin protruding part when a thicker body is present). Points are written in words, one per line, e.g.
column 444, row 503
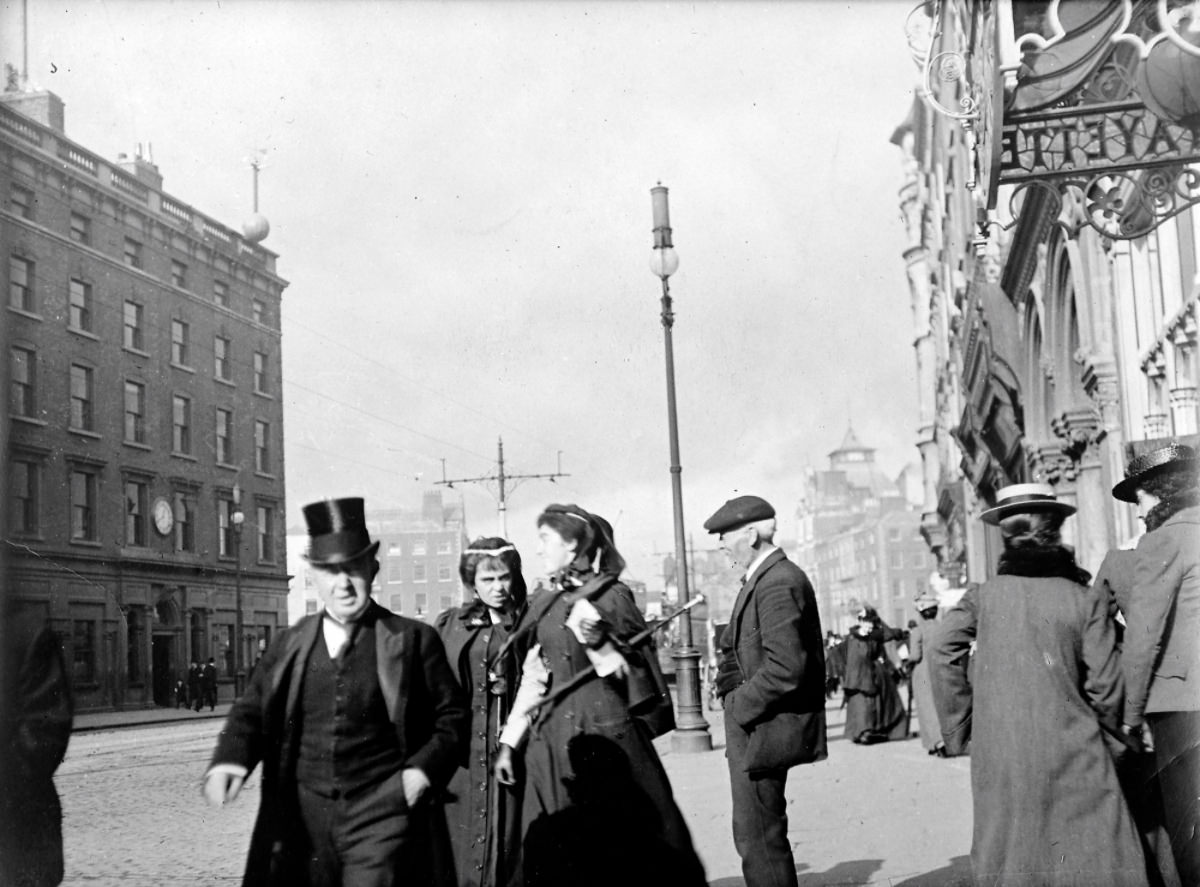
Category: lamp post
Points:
column 236, row 519
column 691, row 729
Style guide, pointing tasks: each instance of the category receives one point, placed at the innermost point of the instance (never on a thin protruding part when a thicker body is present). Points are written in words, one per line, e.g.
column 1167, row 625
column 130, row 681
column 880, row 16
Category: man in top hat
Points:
column 355, row 716
column 772, row 680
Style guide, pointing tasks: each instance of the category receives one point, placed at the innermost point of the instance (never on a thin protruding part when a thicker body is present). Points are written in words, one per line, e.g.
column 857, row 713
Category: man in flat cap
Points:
column 355, row 716
column 772, row 680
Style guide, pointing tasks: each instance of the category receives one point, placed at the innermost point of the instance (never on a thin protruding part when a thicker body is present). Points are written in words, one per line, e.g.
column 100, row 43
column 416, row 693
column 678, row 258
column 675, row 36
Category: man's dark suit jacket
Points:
column 423, row 701
column 775, row 634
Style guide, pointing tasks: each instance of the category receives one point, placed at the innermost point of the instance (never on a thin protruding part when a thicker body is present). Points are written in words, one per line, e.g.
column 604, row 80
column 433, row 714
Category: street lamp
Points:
column 691, row 730
column 236, row 520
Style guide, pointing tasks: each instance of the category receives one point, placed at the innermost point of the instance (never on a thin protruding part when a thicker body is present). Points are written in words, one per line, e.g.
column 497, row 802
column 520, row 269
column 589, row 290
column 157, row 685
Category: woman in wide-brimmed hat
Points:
column 1046, row 687
column 874, row 711
column 1161, row 657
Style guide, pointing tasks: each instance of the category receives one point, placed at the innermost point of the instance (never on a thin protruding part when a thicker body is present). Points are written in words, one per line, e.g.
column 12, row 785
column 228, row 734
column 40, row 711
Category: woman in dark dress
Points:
column 484, row 817
column 874, row 712
column 604, row 726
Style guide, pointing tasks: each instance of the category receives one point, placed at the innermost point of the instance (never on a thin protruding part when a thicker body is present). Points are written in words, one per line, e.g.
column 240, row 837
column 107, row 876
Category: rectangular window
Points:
column 419, row 546
column 20, row 283
column 22, row 400
column 221, row 293
column 395, row 571
column 443, row 546
column 266, row 533
column 83, row 505
column 82, row 398
column 135, row 512
column 20, row 201
column 256, row 310
column 260, row 372
column 422, row 602
column 225, row 528
column 133, row 253
column 83, row 646
column 135, row 412
column 23, row 504
column 81, row 305
column 896, row 560
column 446, row 602
column 181, row 424
column 443, row 572
column 396, row 603
column 134, row 330
column 185, row 522
column 179, row 274
column 221, row 347
column 179, row 342
column 262, row 448
column 81, row 229
column 222, row 648
column 419, row 573
column 310, row 607
column 224, row 436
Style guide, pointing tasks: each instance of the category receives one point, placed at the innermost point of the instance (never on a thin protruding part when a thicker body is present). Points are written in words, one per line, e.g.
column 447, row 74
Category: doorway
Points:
column 162, row 663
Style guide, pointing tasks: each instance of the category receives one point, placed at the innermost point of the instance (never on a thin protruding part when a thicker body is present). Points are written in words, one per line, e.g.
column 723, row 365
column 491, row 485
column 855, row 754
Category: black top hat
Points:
column 1151, row 463
column 1024, row 499
column 337, row 531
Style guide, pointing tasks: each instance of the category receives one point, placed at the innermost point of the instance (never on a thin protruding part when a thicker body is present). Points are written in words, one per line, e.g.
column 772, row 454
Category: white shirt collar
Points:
column 757, row 562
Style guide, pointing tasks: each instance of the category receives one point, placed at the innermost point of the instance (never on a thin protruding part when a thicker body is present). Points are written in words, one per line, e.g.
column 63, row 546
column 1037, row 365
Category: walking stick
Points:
column 588, row 673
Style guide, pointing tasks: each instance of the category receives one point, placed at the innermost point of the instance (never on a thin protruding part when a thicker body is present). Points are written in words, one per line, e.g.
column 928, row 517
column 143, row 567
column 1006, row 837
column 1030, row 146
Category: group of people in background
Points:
column 198, row 687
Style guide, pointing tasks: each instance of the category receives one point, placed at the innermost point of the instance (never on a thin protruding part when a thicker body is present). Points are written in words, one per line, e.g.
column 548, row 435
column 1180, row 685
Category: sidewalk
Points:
column 141, row 717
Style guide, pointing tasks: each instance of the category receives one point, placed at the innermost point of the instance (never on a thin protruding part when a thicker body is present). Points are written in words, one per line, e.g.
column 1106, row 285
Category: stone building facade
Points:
column 142, row 347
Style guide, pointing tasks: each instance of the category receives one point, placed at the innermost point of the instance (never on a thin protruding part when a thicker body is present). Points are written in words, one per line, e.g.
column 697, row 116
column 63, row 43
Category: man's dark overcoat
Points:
column 775, row 634
column 423, row 701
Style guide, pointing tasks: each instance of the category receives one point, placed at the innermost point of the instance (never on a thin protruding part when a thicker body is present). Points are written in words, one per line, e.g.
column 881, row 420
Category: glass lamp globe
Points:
column 663, row 262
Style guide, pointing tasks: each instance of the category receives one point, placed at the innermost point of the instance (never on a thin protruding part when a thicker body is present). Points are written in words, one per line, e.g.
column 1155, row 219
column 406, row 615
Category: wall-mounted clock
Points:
column 164, row 516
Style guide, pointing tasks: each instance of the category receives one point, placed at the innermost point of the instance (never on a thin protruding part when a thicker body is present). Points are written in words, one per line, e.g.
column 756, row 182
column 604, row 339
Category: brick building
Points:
column 144, row 416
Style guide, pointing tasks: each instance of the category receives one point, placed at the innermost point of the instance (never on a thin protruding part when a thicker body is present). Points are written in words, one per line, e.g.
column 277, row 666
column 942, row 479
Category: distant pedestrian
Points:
column 195, row 685
column 920, row 637
column 1161, row 656
column 874, row 710
column 208, row 684
column 181, row 693
column 1047, row 688
column 35, row 728
column 772, row 680
column 835, row 663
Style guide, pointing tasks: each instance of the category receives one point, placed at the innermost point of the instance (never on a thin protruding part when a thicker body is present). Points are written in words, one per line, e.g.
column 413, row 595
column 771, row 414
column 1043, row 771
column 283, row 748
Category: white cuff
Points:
column 232, row 769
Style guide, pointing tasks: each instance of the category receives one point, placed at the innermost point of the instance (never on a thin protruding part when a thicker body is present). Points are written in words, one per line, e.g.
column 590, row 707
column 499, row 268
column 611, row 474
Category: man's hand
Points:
column 416, row 783
column 220, row 788
column 1140, row 735
column 506, row 765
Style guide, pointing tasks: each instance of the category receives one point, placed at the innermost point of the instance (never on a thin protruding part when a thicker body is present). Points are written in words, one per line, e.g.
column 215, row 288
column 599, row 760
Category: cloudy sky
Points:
column 459, row 196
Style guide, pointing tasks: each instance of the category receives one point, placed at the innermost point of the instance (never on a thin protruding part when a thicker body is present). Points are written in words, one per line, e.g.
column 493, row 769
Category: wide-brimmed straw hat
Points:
column 1025, row 499
column 1152, row 463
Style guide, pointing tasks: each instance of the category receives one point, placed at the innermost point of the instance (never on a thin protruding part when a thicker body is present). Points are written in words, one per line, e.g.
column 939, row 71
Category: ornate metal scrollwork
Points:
column 1170, row 16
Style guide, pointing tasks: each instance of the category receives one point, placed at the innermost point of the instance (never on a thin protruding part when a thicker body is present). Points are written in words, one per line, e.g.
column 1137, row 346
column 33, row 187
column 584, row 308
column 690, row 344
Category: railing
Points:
column 78, row 159
column 178, row 210
column 129, row 185
column 14, row 124
column 212, row 230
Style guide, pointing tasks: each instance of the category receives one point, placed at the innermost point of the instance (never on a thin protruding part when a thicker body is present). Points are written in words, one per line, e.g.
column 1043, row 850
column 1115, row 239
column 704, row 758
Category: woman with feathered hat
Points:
column 1161, row 657
column 1046, row 690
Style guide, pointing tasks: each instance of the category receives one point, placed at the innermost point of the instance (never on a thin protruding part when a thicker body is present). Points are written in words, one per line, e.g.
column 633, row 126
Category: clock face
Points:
column 164, row 517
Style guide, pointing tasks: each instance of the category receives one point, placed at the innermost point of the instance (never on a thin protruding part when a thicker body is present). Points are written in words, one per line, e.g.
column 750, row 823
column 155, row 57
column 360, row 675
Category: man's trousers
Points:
column 760, row 831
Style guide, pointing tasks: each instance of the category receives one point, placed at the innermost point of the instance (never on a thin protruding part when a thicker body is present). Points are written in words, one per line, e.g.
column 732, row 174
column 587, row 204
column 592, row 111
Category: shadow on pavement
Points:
column 855, row 872
column 956, row 873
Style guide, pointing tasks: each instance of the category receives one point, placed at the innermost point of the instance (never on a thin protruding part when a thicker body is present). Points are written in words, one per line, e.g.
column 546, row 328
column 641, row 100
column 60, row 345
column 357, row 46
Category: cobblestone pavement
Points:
column 133, row 814
column 886, row 815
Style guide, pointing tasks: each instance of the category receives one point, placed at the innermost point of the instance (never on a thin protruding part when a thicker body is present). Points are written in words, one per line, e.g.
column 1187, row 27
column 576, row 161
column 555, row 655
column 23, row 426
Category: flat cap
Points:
column 738, row 512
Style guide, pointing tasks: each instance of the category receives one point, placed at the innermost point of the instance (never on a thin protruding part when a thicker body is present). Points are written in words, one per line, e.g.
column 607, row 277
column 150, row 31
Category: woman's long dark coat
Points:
column 611, row 709
column 873, row 703
column 483, row 816
column 1048, row 808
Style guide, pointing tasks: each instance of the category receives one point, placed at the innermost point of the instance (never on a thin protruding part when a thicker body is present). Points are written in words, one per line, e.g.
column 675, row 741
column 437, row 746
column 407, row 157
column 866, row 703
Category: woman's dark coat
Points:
column 483, row 817
column 873, row 706
column 919, row 639
column 1048, row 808
column 423, row 701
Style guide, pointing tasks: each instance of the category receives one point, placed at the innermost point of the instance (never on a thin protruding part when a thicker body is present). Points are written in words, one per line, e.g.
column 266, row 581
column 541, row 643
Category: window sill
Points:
column 183, row 368
column 83, row 432
column 82, row 333
column 137, row 445
column 228, row 467
column 87, row 543
column 223, row 381
column 188, row 456
column 28, row 314
column 258, row 392
column 28, row 536
column 138, row 351
column 28, row 420
column 265, row 475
